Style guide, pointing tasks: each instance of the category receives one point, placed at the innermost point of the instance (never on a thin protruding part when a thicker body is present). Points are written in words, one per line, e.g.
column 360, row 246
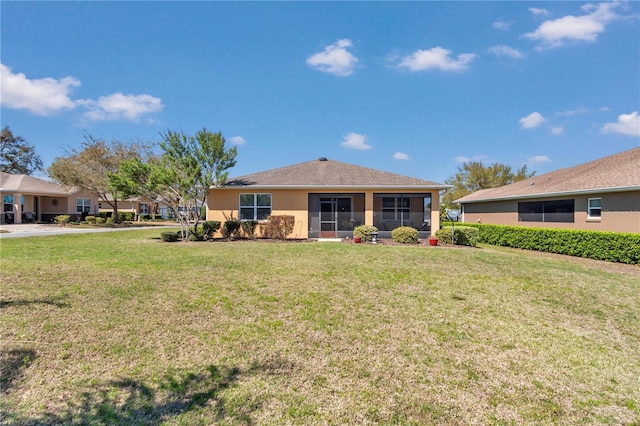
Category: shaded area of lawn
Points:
column 108, row 329
column 130, row 402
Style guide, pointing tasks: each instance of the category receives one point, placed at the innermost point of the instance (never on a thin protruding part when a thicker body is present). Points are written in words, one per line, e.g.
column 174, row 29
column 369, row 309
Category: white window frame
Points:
column 254, row 206
column 590, row 208
column 82, row 204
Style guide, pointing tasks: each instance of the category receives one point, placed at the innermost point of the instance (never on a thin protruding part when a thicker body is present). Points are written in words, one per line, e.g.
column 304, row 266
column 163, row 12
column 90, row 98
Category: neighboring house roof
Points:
column 324, row 173
column 618, row 172
column 25, row 184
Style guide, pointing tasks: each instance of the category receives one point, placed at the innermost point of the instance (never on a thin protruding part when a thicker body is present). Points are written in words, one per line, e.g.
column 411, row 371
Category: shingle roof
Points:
column 24, row 184
column 329, row 173
column 614, row 173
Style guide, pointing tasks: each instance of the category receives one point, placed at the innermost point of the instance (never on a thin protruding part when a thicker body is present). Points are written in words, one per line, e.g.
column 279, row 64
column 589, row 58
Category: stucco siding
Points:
column 620, row 212
column 223, row 204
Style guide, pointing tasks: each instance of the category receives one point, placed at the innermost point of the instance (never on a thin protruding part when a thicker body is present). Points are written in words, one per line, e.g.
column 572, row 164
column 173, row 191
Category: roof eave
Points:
column 553, row 194
column 316, row 187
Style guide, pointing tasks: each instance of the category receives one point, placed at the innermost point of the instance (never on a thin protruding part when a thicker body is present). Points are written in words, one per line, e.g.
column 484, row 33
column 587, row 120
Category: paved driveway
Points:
column 38, row 230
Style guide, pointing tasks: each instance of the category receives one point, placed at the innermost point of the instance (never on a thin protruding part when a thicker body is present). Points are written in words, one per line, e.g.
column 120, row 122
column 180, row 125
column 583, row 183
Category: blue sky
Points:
column 413, row 88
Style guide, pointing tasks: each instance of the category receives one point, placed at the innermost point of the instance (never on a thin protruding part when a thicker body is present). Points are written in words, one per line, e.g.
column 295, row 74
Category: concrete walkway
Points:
column 39, row 230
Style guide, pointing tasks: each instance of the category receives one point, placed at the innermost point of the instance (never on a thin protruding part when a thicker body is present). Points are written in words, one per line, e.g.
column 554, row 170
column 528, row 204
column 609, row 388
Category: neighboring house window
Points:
column 83, row 205
column 255, row 206
column 396, row 208
column 8, row 203
column 546, row 211
column 594, row 208
column 144, row 208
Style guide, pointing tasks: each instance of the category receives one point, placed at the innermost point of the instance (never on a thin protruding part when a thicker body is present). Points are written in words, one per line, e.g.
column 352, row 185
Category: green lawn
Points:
column 121, row 328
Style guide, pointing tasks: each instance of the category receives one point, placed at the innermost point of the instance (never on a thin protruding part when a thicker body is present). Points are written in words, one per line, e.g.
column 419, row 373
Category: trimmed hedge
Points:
column 364, row 232
column 209, row 228
column 405, row 235
column 463, row 235
column 610, row 246
column 169, row 237
column 63, row 219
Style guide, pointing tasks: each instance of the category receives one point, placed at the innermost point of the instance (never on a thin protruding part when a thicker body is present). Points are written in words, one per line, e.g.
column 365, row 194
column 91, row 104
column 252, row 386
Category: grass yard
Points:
column 121, row 328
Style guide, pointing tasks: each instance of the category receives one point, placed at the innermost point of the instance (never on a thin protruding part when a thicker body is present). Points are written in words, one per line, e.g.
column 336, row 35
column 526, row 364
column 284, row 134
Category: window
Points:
column 594, row 208
column 8, row 203
column 144, row 208
column 395, row 208
column 255, row 206
column 546, row 211
column 83, row 205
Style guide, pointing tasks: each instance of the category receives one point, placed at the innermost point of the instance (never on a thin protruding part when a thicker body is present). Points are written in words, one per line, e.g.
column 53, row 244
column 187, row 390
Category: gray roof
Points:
column 618, row 172
column 324, row 173
column 25, row 184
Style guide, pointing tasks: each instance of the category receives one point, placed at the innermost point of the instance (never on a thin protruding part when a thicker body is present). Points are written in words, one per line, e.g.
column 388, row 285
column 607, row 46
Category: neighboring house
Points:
column 329, row 198
column 30, row 199
column 138, row 206
column 602, row 195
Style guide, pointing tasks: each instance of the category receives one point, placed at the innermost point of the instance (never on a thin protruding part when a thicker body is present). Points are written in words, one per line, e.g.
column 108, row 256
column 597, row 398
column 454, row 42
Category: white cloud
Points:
column 43, row 96
column 502, row 50
column 334, row 59
column 501, row 25
column 238, row 140
column 587, row 27
column 121, row 107
column 401, row 156
column 538, row 11
column 556, row 130
column 538, row 159
column 47, row 96
column 532, row 120
column 436, row 58
column 355, row 141
column 627, row 124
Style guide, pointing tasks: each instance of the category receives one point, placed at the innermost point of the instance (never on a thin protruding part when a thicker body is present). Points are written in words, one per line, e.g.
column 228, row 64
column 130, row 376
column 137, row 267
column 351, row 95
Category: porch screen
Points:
column 394, row 210
column 546, row 211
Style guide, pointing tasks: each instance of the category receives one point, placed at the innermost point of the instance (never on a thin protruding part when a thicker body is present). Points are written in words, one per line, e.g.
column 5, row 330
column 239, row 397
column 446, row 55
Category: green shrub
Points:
column 193, row 236
column 463, row 235
column 126, row 216
column 145, row 216
column 196, row 234
column 280, row 226
column 100, row 220
column 62, row 219
column 249, row 228
column 209, row 228
column 600, row 245
column 364, row 232
column 169, row 237
column 90, row 219
column 231, row 229
column 405, row 235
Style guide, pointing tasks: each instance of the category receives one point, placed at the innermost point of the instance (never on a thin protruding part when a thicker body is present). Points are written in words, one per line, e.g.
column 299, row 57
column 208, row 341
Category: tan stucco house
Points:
column 601, row 195
column 30, row 199
column 329, row 198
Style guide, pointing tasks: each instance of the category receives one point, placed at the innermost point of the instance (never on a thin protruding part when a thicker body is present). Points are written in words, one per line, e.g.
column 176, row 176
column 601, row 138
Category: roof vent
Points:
column 322, row 159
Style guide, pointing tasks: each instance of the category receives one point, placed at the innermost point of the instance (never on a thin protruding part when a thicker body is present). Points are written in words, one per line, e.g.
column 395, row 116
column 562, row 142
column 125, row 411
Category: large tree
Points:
column 473, row 176
column 16, row 155
column 89, row 168
column 182, row 176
